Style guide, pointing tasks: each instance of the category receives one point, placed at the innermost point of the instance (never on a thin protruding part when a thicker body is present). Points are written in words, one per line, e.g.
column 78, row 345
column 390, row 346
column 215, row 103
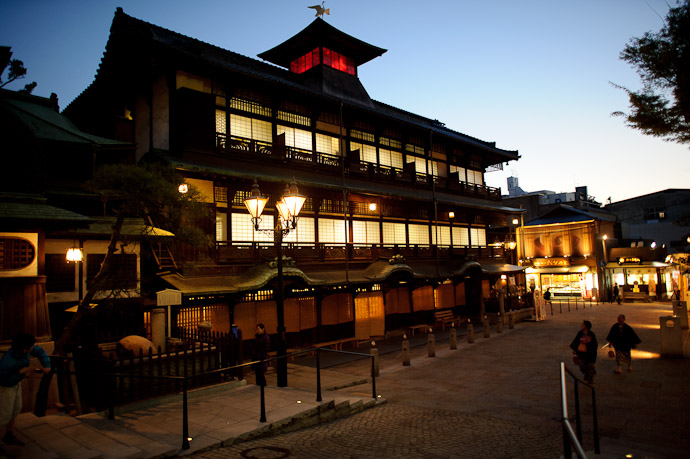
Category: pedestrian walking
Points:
column 615, row 294
column 623, row 339
column 584, row 347
column 262, row 344
column 14, row 367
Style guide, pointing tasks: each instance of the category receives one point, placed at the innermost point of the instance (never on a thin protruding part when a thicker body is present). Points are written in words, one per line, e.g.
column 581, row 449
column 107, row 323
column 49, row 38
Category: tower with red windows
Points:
column 326, row 59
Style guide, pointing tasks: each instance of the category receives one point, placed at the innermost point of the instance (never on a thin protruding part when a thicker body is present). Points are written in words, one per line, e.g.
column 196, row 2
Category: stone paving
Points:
column 500, row 398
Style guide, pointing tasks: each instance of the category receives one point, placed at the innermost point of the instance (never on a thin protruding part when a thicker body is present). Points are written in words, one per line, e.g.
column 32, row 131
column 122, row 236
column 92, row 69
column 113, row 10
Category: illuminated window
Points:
column 367, row 153
column 475, row 177
column 338, row 61
column 391, row 158
column 250, row 128
column 296, row 138
column 443, row 236
column 394, row 233
column 221, row 226
column 462, row 173
column 327, row 144
column 243, row 228
column 306, row 62
column 365, row 232
column 419, row 234
column 461, row 236
column 303, row 233
column 331, row 231
column 419, row 165
column 478, row 236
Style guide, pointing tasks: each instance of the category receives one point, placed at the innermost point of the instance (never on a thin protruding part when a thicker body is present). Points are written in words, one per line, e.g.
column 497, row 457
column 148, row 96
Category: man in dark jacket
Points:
column 14, row 367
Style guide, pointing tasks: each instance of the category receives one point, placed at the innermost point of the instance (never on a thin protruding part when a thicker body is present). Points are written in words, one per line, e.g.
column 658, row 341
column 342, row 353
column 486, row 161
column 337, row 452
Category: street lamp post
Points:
column 289, row 207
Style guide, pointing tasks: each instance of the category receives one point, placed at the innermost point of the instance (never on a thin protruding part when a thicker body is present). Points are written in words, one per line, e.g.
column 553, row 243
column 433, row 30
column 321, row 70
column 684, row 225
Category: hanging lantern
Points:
column 75, row 255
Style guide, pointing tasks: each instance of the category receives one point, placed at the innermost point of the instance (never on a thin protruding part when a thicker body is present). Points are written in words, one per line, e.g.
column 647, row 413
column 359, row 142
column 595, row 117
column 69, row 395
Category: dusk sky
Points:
column 533, row 76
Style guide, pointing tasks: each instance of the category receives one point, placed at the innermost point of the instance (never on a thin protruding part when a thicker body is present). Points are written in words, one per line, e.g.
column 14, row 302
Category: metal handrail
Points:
column 262, row 417
column 571, row 438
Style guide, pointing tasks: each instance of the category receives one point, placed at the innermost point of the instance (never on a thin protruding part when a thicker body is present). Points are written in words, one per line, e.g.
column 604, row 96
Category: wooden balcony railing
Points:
column 253, row 150
column 243, row 252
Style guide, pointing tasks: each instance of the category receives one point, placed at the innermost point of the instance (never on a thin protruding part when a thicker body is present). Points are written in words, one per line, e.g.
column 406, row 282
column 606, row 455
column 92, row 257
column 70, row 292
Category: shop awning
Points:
column 577, row 269
column 643, row 264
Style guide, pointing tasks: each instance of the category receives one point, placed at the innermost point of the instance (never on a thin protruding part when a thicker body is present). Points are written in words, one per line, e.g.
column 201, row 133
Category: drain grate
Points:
column 265, row 452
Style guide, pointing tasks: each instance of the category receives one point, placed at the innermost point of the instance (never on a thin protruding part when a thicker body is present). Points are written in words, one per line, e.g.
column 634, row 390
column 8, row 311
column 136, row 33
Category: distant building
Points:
column 662, row 218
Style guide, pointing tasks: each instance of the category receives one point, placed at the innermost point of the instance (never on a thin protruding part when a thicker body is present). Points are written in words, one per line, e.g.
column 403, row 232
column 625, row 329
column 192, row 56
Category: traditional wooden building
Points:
column 398, row 221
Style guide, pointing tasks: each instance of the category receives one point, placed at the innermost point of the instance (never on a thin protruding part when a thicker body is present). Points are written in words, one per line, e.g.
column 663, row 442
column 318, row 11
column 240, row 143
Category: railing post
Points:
column 263, row 404
column 595, row 423
column 578, row 420
column 113, row 391
column 185, row 421
column 373, row 379
column 318, row 375
column 567, row 452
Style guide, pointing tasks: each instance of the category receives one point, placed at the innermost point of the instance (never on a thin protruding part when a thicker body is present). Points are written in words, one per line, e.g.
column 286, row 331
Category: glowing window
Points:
column 338, row 61
column 306, row 62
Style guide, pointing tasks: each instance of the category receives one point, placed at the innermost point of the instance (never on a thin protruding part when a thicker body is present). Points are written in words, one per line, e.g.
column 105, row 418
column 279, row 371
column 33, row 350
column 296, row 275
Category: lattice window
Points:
column 443, row 236
column 15, row 253
column 60, row 275
column 461, row 236
column 419, row 234
column 332, row 206
column 332, row 231
column 304, row 233
column 327, row 144
column 296, row 138
column 250, row 128
column 462, row 173
column 392, row 143
column 391, row 158
column 294, row 118
column 366, row 232
column 475, row 177
column 367, row 153
column 478, row 237
column 394, row 233
column 361, row 135
column 250, row 106
column 220, row 193
column 221, row 122
column 243, row 228
column 416, row 149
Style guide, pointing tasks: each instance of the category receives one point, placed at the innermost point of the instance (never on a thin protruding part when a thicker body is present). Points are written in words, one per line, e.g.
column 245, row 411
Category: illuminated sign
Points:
column 541, row 262
column 622, row 260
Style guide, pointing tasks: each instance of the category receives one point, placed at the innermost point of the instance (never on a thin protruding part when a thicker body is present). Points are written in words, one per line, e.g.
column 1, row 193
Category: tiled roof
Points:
column 20, row 210
column 259, row 276
column 128, row 28
column 39, row 115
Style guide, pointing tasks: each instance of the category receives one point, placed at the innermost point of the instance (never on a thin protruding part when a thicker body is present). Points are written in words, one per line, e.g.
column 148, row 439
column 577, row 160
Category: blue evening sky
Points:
column 531, row 75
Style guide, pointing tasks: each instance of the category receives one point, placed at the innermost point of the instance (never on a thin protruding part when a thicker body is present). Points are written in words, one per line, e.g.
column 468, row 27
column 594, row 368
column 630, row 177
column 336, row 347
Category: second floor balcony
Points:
column 252, row 150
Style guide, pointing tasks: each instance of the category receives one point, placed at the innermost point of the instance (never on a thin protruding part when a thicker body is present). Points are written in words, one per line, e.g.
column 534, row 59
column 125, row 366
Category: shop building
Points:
column 565, row 250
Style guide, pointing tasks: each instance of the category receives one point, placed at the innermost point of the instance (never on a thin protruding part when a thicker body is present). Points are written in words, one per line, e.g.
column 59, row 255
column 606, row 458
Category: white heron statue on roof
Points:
column 321, row 10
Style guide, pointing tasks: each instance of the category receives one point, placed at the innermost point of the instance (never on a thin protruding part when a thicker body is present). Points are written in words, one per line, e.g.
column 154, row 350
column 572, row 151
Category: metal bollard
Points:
column 431, row 343
column 511, row 320
column 453, row 339
column 487, row 330
column 560, row 307
column 470, row 332
column 499, row 324
column 568, row 304
column 405, row 352
column 375, row 353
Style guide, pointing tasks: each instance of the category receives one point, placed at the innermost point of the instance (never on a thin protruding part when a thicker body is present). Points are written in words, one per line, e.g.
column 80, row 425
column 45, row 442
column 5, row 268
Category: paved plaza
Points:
column 500, row 398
